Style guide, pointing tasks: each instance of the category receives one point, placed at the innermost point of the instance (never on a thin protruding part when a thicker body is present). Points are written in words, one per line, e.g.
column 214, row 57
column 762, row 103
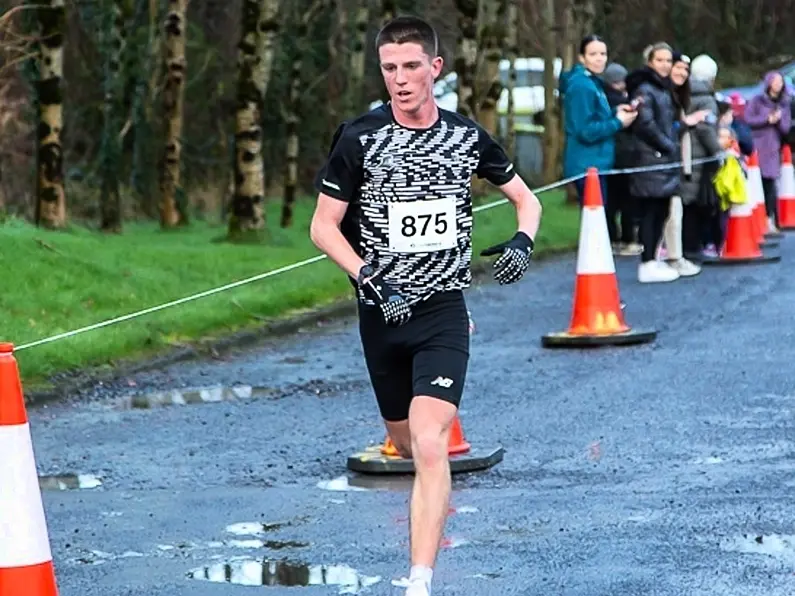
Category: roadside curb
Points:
column 206, row 348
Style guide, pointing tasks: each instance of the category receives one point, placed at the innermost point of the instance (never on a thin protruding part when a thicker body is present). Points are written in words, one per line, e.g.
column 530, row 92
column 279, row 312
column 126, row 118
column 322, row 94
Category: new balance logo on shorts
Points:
column 443, row 382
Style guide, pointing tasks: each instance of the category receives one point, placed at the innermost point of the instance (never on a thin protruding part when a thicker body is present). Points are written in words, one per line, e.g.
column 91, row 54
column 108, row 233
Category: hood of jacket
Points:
column 769, row 79
column 645, row 74
column 700, row 87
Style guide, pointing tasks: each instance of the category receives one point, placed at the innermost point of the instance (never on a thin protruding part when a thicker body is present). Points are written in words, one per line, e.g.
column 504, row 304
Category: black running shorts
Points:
column 426, row 356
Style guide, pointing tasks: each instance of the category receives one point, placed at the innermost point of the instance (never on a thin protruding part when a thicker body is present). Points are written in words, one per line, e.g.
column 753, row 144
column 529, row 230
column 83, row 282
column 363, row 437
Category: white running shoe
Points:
column 656, row 272
column 685, row 268
column 418, row 588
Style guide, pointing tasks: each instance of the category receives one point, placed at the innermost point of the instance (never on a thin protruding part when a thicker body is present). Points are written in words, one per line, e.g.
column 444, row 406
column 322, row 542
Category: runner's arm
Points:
column 326, row 235
column 337, row 184
column 528, row 207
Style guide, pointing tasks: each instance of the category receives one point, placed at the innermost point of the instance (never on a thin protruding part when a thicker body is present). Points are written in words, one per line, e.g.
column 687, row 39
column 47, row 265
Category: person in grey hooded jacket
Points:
column 701, row 220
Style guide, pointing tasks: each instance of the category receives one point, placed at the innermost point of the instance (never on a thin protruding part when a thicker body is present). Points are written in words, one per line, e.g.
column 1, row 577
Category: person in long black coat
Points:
column 656, row 144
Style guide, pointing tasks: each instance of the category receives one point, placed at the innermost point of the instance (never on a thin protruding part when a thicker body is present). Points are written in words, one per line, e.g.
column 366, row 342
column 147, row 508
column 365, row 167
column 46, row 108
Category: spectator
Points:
column 618, row 184
column 590, row 125
column 732, row 112
column 768, row 115
column 701, row 219
column 655, row 144
column 672, row 234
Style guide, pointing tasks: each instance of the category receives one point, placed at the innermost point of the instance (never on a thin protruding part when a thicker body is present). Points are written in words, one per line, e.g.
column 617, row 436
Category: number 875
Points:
column 411, row 227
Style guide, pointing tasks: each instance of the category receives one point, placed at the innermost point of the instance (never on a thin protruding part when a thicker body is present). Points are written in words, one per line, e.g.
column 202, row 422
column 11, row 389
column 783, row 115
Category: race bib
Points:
column 422, row 226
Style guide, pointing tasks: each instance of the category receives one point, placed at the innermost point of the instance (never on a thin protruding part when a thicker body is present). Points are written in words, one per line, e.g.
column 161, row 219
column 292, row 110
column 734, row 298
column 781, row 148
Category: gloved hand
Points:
column 514, row 259
column 395, row 309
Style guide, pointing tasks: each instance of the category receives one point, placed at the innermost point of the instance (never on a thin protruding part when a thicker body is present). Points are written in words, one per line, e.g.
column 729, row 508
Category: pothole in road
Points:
column 217, row 394
column 69, row 482
column 183, row 397
column 266, row 572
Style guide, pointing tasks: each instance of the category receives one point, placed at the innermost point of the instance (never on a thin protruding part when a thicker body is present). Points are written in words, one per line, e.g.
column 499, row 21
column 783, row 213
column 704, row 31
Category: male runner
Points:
column 394, row 211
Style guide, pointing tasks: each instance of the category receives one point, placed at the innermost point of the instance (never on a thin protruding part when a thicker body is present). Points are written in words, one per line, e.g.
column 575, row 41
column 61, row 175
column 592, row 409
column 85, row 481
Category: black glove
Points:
column 393, row 306
column 514, row 259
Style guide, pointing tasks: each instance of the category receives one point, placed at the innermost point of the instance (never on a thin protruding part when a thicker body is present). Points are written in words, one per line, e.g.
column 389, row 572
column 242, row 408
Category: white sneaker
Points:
column 685, row 268
column 418, row 588
column 656, row 272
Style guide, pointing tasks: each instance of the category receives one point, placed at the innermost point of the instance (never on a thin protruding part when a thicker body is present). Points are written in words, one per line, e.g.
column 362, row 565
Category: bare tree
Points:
column 173, row 206
column 50, row 191
column 293, row 110
column 113, row 46
column 259, row 27
column 552, row 130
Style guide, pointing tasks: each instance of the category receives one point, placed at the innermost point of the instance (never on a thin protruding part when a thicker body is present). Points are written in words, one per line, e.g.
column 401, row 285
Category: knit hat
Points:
column 703, row 68
column 614, row 73
column 680, row 57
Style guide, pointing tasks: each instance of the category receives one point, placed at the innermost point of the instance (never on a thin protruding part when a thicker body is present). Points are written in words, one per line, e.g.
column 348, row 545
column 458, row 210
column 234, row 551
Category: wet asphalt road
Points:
column 664, row 469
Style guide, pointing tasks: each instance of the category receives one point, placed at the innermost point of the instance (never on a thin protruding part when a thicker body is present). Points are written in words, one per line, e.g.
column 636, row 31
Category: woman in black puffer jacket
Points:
column 656, row 143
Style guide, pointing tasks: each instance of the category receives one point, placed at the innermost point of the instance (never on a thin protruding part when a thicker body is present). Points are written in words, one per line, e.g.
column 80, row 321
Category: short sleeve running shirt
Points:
column 409, row 195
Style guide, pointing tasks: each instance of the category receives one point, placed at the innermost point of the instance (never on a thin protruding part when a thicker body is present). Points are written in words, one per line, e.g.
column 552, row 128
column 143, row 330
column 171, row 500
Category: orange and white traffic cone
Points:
column 756, row 194
column 456, row 445
column 741, row 245
column 786, row 191
column 385, row 459
column 597, row 318
column 26, row 567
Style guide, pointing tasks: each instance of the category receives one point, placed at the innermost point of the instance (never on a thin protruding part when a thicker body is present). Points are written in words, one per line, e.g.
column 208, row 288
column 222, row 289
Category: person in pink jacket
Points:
column 769, row 117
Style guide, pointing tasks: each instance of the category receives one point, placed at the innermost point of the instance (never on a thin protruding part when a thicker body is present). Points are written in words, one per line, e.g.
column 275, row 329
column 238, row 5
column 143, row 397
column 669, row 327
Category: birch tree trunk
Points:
column 552, row 130
column 357, row 58
column 259, row 26
column 489, row 88
column 338, row 44
column 173, row 208
column 293, row 111
column 466, row 56
column 511, row 50
column 112, row 47
column 50, row 191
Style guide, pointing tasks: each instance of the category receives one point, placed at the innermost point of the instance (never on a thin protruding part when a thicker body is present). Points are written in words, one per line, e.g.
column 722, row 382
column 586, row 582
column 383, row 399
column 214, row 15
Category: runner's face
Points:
column 409, row 74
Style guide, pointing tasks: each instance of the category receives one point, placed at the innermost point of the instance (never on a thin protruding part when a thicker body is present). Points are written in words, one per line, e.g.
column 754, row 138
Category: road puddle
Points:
column 201, row 395
column 255, row 543
column 69, row 482
column 266, row 572
column 218, row 394
column 778, row 546
column 401, row 482
column 339, row 484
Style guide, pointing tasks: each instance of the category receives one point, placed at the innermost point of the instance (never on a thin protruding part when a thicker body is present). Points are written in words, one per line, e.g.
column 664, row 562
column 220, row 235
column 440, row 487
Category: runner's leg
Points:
column 389, row 365
column 441, row 356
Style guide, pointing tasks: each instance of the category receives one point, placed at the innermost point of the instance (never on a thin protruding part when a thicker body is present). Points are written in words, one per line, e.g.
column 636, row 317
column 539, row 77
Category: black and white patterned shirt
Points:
column 409, row 195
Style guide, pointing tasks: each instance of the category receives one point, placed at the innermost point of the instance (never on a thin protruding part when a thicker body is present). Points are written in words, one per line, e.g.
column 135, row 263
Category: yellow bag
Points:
column 730, row 183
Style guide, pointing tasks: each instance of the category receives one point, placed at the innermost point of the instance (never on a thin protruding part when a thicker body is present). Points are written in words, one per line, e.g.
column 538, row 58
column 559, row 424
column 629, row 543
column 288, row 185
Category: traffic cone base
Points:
column 741, row 246
column 596, row 315
column 385, row 459
column 25, row 556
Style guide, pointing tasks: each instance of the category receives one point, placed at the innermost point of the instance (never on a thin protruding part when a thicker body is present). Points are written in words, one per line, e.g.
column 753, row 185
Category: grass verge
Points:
column 59, row 281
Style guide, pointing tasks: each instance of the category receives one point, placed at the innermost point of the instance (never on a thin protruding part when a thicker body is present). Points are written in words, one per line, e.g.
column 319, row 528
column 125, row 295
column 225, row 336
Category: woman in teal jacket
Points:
column 590, row 124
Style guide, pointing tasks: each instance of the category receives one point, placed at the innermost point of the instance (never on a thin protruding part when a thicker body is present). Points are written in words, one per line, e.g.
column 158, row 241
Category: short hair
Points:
column 408, row 29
